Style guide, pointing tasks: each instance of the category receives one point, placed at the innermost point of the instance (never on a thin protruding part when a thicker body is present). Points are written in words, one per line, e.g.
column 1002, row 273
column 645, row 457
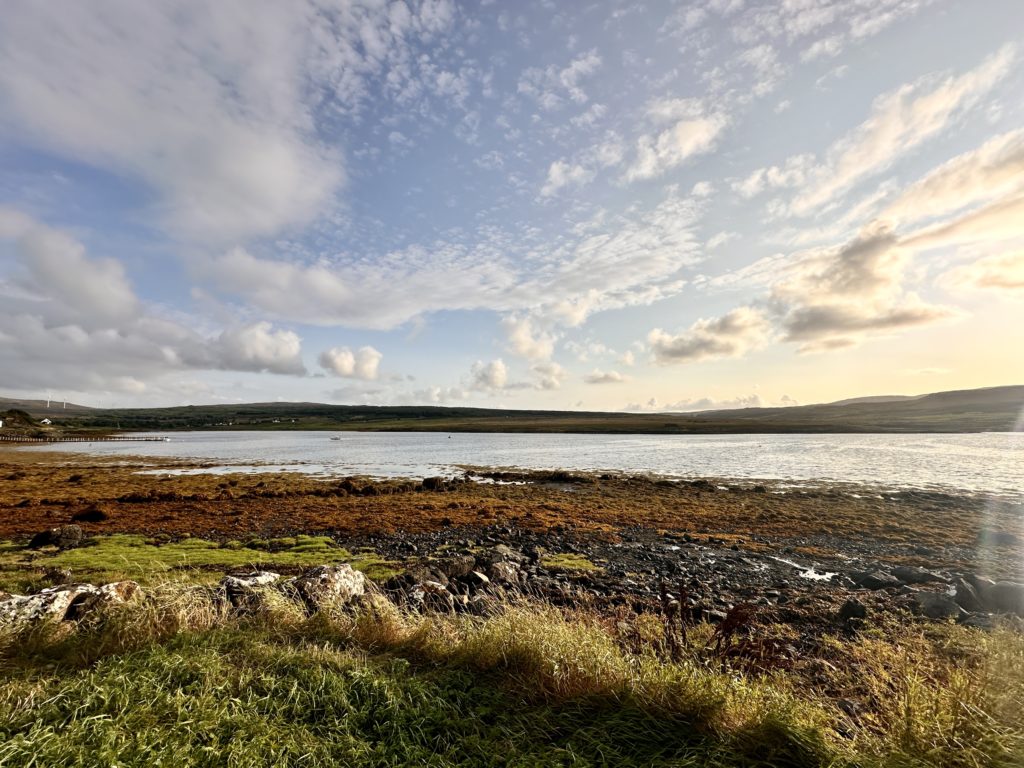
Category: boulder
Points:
column 243, row 590
column 433, row 596
column 504, row 573
column 852, row 609
column 457, row 566
column 330, row 586
column 910, row 574
column 967, row 597
column 434, row 484
column 65, row 602
column 505, row 553
column 875, row 580
column 19, row 610
column 938, row 605
column 98, row 597
column 63, row 537
column 980, row 583
column 1005, row 597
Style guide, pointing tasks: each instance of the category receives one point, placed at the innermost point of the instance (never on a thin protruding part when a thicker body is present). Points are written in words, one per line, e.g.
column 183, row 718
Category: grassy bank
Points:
column 176, row 677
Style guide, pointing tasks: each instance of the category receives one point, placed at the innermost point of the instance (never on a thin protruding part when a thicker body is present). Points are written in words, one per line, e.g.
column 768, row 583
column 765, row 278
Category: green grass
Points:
column 129, row 556
column 247, row 699
column 567, row 561
column 175, row 677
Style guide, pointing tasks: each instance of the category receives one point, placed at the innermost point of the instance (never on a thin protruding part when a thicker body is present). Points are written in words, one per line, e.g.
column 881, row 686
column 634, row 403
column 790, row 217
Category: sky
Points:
column 563, row 205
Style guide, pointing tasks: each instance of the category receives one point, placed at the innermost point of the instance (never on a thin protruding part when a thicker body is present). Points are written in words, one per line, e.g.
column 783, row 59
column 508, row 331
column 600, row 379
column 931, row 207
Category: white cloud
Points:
column 998, row 221
column 731, row 335
column 716, row 241
column 222, row 110
column 364, row 363
column 97, row 290
column 562, row 174
column 999, row 271
column 258, row 347
column 75, row 322
column 658, row 154
column 488, row 377
column 597, row 376
column 207, row 111
column 439, row 395
column 704, row 404
column 899, row 122
column 618, row 261
column 551, row 85
column 589, row 117
column 549, row 374
column 768, row 70
column 995, row 169
column 791, row 173
column 525, row 341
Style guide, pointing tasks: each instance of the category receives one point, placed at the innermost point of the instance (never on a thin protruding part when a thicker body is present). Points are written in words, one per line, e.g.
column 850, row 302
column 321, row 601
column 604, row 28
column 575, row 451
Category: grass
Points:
column 177, row 678
column 568, row 561
column 130, row 556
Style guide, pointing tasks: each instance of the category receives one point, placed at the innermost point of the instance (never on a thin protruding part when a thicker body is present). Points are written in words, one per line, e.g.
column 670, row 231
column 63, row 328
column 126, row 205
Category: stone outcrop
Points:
column 327, row 587
column 67, row 602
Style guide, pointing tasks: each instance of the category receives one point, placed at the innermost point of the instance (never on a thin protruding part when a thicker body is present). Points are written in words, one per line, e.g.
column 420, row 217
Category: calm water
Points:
column 990, row 462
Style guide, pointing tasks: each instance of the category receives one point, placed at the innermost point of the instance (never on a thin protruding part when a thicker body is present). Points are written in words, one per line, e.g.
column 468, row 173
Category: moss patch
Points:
column 567, row 561
column 120, row 556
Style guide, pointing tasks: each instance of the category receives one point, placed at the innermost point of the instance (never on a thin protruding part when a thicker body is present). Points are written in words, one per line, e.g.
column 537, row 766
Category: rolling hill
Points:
column 991, row 409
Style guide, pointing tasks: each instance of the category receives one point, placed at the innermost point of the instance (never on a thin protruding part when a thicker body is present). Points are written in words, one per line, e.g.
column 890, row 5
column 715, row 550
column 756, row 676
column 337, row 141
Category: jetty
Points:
column 81, row 439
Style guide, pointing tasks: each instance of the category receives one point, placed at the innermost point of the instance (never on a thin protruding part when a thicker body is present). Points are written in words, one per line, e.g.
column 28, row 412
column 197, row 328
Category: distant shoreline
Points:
column 993, row 409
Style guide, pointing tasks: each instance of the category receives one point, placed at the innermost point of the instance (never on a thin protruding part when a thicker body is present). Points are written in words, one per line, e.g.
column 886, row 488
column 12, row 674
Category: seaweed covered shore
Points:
column 548, row 618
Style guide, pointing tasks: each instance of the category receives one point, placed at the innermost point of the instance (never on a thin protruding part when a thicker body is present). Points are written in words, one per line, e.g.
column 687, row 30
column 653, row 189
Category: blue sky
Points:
column 643, row 205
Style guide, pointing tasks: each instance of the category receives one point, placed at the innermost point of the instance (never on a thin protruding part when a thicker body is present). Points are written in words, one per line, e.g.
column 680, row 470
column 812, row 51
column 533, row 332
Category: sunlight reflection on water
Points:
column 986, row 462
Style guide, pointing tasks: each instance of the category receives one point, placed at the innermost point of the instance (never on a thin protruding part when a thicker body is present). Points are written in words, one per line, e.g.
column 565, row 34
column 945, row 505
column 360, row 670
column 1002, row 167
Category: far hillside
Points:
column 994, row 409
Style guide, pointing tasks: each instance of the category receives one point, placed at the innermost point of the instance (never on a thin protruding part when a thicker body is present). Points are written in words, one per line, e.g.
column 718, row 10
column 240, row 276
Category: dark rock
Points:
column 980, row 621
column 875, row 580
column 504, row 573
column 938, row 605
column 93, row 514
column 909, row 574
column 853, row 609
column 57, row 575
column 434, row 484
column 503, row 553
column 1005, row 597
column 64, row 537
column 457, row 566
column 967, row 597
column 980, row 583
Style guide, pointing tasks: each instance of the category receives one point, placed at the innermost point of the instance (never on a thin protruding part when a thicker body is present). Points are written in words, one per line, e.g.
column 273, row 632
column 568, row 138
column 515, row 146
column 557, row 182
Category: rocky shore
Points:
column 476, row 570
column 818, row 558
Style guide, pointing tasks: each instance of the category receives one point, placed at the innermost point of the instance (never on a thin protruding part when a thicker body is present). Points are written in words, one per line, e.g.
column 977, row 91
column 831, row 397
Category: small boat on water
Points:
column 336, row 438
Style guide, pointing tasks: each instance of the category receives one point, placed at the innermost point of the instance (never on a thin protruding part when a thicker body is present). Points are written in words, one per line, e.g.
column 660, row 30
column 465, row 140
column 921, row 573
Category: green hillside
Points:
column 975, row 410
